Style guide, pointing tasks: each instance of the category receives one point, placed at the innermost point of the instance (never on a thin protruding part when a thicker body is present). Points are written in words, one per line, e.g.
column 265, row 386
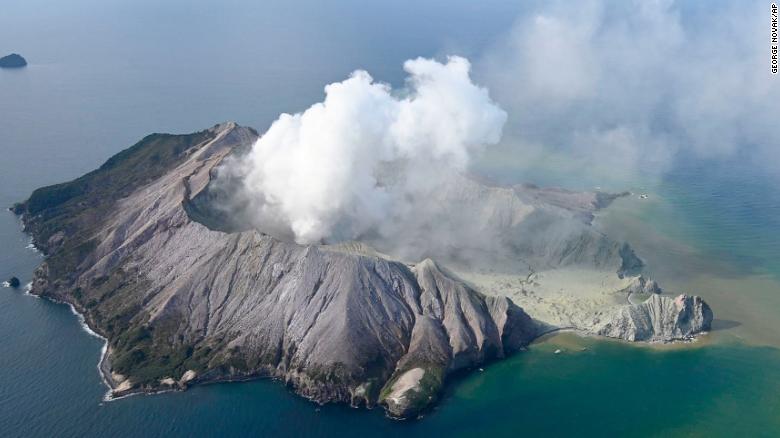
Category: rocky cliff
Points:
column 659, row 318
column 184, row 298
column 176, row 298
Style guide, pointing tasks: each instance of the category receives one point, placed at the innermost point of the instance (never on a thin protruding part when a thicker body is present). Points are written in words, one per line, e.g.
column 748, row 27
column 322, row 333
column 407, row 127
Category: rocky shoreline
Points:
column 116, row 392
column 138, row 250
column 104, row 364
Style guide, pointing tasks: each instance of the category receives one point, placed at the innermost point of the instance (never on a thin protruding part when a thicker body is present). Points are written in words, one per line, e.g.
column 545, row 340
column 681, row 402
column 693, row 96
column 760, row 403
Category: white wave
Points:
column 28, row 290
column 31, row 246
column 83, row 322
column 103, row 351
column 108, row 396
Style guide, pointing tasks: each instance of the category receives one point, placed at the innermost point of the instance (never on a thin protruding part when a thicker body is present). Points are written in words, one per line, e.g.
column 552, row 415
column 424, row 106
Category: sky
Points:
column 607, row 88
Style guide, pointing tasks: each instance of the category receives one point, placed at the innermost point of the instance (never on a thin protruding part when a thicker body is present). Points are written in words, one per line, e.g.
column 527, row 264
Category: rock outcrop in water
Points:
column 13, row 282
column 659, row 318
column 182, row 298
column 13, row 60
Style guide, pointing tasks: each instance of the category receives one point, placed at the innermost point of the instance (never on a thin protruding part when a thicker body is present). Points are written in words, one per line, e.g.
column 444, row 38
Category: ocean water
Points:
column 50, row 387
column 104, row 74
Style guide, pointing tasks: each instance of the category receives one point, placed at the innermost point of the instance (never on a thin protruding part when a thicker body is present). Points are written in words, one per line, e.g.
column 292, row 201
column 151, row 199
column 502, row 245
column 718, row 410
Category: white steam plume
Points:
column 317, row 174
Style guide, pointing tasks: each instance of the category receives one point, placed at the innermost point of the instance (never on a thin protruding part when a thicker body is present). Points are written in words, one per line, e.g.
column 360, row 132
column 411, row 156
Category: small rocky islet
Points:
column 14, row 60
column 184, row 298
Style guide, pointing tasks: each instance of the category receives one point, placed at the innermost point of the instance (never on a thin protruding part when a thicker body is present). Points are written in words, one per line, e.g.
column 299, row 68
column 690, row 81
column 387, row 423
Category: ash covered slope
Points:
column 179, row 302
column 517, row 229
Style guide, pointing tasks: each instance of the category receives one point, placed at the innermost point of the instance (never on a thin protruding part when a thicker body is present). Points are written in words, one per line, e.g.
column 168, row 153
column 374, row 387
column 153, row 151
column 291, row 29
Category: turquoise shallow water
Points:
column 50, row 386
column 49, row 383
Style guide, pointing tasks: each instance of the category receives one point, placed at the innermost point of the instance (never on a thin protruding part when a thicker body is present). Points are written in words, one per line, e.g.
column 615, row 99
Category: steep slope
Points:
column 185, row 295
column 506, row 229
column 180, row 302
column 659, row 318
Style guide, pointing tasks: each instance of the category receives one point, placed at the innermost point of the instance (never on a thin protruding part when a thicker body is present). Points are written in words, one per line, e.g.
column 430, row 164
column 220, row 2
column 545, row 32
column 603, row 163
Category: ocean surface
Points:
column 104, row 74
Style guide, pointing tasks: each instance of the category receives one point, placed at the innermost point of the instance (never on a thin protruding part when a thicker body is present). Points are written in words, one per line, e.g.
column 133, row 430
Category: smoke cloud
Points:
column 615, row 90
column 635, row 87
column 353, row 163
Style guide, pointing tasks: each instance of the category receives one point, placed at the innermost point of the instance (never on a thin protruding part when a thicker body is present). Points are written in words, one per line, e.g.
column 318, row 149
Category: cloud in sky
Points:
column 616, row 88
column 632, row 86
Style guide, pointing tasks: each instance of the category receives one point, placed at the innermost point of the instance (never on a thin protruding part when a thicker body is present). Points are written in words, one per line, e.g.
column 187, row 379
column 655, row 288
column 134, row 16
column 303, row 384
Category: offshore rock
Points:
column 13, row 60
column 13, row 282
column 659, row 319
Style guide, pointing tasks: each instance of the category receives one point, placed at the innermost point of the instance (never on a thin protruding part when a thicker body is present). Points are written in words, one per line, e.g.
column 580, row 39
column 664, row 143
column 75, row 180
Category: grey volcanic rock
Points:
column 642, row 285
column 13, row 282
column 176, row 299
column 457, row 328
column 659, row 318
column 467, row 223
column 183, row 295
column 13, row 60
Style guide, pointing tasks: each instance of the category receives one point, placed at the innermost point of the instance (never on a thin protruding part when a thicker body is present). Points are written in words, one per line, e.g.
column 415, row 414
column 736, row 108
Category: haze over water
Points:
column 104, row 74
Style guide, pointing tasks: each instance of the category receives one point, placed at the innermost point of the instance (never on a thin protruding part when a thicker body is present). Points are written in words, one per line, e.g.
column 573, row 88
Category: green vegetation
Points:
column 146, row 351
column 74, row 209
column 146, row 356
column 64, row 219
column 429, row 387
